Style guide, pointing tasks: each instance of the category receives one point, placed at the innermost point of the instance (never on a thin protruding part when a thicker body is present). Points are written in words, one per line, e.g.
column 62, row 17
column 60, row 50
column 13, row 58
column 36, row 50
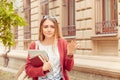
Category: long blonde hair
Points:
column 57, row 29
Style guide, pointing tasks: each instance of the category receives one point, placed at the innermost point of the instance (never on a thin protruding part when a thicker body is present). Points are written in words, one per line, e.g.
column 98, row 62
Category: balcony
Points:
column 69, row 31
column 106, row 27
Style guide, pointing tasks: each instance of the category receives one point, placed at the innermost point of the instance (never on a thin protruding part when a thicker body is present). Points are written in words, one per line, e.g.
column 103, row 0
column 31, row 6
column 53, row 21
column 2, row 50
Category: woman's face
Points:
column 48, row 28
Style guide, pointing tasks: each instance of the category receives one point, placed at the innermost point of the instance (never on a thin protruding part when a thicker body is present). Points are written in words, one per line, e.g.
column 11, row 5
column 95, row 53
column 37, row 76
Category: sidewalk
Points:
column 7, row 74
column 8, row 70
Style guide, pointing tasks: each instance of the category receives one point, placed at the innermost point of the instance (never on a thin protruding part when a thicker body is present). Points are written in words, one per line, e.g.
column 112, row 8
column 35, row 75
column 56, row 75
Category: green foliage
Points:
column 9, row 19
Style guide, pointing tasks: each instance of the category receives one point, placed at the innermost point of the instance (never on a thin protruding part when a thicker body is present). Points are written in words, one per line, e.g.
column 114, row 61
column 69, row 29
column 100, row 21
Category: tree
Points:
column 8, row 20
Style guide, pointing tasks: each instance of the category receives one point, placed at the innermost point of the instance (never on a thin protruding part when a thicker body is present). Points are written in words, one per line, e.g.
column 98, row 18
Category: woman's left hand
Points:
column 72, row 47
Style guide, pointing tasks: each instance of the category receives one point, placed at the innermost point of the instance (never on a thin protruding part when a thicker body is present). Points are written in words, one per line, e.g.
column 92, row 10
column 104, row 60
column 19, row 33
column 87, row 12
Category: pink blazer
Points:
column 66, row 62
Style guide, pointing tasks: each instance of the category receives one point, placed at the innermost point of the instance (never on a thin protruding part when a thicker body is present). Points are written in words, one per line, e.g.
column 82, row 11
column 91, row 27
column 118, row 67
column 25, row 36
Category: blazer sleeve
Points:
column 31, row 70
column 69, row 61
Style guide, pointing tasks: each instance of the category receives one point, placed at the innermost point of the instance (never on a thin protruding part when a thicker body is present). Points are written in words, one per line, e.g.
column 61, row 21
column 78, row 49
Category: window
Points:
column 109, row 10
column 71, row 12
column 16, row 32
column 44, row 7
column 106, row 16
column 68, row 22
column 27, row 29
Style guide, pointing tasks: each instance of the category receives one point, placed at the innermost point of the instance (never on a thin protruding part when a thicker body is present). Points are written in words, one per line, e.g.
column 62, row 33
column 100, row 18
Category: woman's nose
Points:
column 49, row 27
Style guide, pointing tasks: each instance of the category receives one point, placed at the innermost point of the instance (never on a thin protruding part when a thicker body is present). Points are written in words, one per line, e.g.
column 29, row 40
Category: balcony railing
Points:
column 106, row 27
column 69, row 31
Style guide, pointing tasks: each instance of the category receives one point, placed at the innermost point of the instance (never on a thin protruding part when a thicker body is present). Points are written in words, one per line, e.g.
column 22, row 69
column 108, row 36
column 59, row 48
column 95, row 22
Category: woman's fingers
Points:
column 77, row 44
column 46, row 58
column 50, row 65
column 72, row 46
column 47, row 66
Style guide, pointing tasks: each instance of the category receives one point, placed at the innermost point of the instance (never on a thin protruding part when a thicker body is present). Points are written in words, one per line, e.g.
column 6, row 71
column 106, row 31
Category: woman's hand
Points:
column 47, row 66
column 72, row 47
column 46, row 63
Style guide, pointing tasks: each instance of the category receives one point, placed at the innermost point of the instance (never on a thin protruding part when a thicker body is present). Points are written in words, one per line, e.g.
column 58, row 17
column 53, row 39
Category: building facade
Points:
column 94, row 23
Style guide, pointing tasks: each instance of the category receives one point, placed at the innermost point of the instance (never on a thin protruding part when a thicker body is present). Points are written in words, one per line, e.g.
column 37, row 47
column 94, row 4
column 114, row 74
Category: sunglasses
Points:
column 48, row 16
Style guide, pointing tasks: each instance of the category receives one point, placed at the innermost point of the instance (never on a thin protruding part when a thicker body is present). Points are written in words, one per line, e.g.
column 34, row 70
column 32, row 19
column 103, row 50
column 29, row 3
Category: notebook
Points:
column 37, row 57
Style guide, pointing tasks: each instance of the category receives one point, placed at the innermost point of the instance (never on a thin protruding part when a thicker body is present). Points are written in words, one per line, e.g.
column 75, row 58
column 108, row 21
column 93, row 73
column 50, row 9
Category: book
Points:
column 37, row 57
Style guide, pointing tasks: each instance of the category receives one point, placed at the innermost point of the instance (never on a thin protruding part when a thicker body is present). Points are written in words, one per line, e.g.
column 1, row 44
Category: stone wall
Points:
column 76, row 75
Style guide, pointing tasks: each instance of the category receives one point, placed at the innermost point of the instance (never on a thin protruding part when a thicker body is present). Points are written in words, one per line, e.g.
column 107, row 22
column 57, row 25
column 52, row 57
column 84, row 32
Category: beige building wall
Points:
column 118, row 27
column 84, row 25
column 86, row 15
column 35, row 19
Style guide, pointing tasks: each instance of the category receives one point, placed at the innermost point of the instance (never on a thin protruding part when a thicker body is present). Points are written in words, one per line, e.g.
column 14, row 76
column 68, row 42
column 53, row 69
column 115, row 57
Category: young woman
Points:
column 60, row 53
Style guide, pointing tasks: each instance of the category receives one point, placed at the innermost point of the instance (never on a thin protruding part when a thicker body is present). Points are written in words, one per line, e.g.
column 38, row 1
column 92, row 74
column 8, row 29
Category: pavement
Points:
column 8, row 69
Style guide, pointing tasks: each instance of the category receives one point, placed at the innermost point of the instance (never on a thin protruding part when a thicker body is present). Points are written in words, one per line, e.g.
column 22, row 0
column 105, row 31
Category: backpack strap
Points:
column 37, row 45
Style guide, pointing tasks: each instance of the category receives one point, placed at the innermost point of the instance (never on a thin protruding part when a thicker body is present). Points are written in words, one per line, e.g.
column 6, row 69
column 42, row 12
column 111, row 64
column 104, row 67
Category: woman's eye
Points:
column 46, row 26
column 52, row 26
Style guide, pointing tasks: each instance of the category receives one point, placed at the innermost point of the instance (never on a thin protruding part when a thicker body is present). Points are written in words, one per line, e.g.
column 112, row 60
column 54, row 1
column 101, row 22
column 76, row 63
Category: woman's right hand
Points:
column 47, row 66
column 46, row 63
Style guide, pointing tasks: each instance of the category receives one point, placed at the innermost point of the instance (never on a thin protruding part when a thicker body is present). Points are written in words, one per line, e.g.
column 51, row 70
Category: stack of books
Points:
column 37, row 57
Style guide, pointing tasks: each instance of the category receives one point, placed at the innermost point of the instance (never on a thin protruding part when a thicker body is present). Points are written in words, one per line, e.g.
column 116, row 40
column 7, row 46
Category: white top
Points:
column 54, row 58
